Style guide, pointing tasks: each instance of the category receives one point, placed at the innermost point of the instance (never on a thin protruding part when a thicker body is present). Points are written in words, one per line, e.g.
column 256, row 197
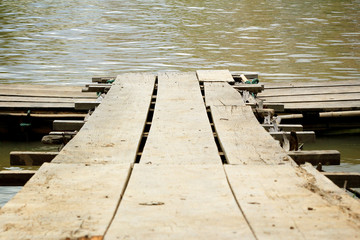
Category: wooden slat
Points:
column 178, row 202
column 350, row 83
column 325, row 157
column 283, row 202
column 344, row 179
column 284, row 127
column 214, row 76
column 323, row 106
column 314, row 98
column 102, row 79
column 41, row 99
column 254, row 88
column 86, row 105
column 65, row 201
column 180, row 132
column 67, row 125
column 303, row 137
column 34, row 105
column 113, row 132
column 31, row 158
column 15, row 178
column 242, row 138
column 221, row 93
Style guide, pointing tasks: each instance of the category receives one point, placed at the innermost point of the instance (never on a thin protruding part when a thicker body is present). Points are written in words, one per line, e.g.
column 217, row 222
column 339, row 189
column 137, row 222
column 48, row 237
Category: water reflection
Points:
column 70, row 41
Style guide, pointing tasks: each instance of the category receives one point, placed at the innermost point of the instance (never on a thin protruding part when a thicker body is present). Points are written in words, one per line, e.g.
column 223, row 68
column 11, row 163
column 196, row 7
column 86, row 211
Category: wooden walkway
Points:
column 113, row 181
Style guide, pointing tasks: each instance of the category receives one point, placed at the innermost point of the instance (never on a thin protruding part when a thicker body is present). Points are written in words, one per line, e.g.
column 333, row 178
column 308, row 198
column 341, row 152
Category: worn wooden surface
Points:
column 180, row 130
column 113, row 132
column 214, row 76
column 178, row 202
column 221, row 93
column 65, row 201
column 283, row 202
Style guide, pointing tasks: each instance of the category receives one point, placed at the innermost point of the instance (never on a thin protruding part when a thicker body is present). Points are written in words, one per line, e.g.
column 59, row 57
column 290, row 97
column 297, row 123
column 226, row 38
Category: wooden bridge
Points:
column 177, row 156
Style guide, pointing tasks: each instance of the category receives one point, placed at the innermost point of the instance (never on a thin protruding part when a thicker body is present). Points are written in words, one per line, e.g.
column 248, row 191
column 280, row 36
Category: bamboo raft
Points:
column 177, row 156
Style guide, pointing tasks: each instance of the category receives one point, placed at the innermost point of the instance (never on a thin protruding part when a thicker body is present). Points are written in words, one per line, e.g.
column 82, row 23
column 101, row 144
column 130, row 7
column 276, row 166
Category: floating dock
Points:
column 177, row 156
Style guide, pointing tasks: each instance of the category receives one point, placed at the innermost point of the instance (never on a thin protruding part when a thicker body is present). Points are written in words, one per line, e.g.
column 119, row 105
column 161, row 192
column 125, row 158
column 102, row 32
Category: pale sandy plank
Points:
column 180, row 131
column 243, row 139
column 65, row 201
column 36, row 105
column 214, row 76
column 269, row 85
column 178, row 202
column 113, row 132
column 221, row 93
column 280, row 202
column 41, row 86
column 314, row 98
column 323, row 106
column 51, row 91
column 309, row 91
column 43, row 99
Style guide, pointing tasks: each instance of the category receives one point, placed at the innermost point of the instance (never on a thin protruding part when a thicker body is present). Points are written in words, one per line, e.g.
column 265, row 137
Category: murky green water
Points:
column 68, row 42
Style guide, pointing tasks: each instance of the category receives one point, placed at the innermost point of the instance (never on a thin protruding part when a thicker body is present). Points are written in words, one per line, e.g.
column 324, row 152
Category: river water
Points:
column 68, row 42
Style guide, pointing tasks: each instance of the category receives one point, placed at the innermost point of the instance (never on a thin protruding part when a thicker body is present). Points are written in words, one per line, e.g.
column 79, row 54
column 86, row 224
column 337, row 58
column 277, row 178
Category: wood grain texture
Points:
column 180, row 132
column 314, row 98
column 242, row 138
column 350, row 83
column 113, row 132
column 323, row 106
column 214, row 76
column 282, row 202
column 42, row 99
column 64, row 201
column 178, row 202
column 221, row 93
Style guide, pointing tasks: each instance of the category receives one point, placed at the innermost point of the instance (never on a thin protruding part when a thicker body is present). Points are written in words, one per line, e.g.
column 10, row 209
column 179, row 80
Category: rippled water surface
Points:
column 70, row 41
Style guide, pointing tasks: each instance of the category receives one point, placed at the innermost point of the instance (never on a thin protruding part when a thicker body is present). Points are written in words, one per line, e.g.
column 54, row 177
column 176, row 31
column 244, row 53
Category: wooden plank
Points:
column 254, row 88
column 178, row 202
column 221, row 93
column 15, row 177
column 242, row 138
column 102, row 79
column 31, row 158
column 180, row 132
column 322, row 106
column 344, row 179
column 67, row 125
column 284, row 127
column 65, row 201
column 309, row 91
column 214, row 76
column 313, row 98
column 96, row 89
column 41, row 99
column 36, row 105
column 113, row 132
column 325, row 157
column 283, row 202
column 303, row 137
column 86, row 105
column 56, row 139
column 287, row 84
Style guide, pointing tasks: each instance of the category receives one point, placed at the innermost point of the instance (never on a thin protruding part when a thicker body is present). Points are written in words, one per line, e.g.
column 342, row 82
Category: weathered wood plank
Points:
column 350, row 83
column 31, row 158
column 221, row 93
column 86, row 105
column 283, row 202
column 314, row 98
column 178, row 202
column 36, row 105
column 322, row 106
column 15, row 178
column 242, row 138
column 65, row 201
column 303, row 137
column 180, row 132
column 214, row 76
column 67, row 125
column 113, row 132
column 42, row 99
column 102, row 79
column 344, row 179
column 254, row 88
column 284, row 127
column 325, row 157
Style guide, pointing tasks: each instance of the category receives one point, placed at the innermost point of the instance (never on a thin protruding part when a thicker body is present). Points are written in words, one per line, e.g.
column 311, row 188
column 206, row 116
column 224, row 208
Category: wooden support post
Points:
column 31, row 158
column 325, row 157
column 67, row 125
column 305, row 136
column 284, row 127
column 344, row 179
column 15, row 178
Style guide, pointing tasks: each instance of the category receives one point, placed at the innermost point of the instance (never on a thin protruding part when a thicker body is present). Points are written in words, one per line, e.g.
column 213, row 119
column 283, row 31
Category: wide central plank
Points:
column 178, row 202
column 113, row 132
column 180, row 131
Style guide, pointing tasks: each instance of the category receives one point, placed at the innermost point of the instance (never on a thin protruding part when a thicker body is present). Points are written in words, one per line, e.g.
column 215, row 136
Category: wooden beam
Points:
column 31, row 158
column 102, row 79
column 254, row 88
column 305, row 136
column 325, row 157
column 15, row 177
column 344, row 179
column 96, row 89
column 284, row 127
column 67, row 125
column 56, row 139
column 88, row 105
column 278, row 107
column 214, row 76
